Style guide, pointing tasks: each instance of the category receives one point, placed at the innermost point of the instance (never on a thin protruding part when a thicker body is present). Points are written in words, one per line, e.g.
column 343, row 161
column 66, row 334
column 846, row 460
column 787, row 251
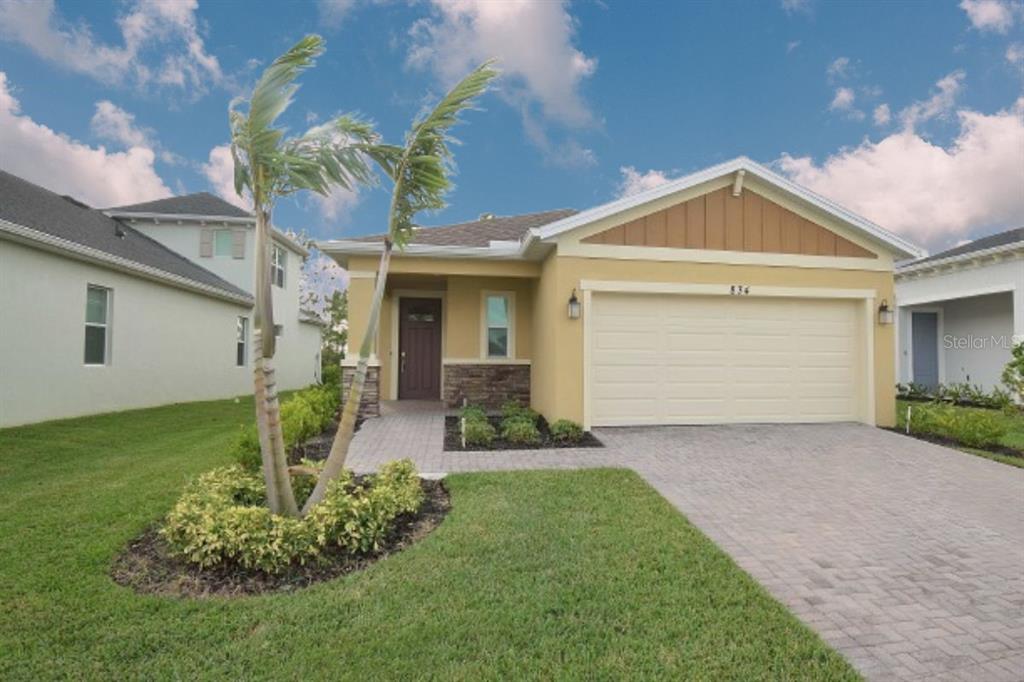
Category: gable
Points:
column 719, row 221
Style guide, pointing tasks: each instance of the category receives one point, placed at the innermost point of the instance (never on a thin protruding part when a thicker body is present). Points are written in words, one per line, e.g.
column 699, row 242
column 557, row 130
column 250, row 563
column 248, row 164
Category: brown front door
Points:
column 419, row 349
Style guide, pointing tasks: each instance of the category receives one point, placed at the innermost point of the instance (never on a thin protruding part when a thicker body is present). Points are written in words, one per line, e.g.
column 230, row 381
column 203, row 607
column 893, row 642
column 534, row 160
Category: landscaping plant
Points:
column 420, row 171
column 479, row 432
column 269, row 166
column 976, row 429
column 1013, row 373
column 566, row 431
column 520, row 431
column 304, row 415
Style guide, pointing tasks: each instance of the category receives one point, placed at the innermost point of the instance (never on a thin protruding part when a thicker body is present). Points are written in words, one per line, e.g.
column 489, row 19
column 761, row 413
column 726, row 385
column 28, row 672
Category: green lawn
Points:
column 585, row 574
column 1014, row 437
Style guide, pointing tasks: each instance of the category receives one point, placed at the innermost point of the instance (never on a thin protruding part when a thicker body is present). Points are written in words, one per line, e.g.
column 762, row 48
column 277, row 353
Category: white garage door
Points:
column 671, row 359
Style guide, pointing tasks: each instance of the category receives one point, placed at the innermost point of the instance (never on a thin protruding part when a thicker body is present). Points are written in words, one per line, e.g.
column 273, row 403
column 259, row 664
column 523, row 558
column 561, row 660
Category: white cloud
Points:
column 843, row 102
column 989, row 15
column 113, row 123
column 333, row 12
column 338, row 204
column 168, row 24
column 533, row 42
column 939, row 105
column 838, row 69
column 882, row 115
column 55, row 161
column 1015, row 54
column 926, row 192
column 792, row 6
column 220, row 173
column 568, row 153
column 634, row 182
column 792, row 45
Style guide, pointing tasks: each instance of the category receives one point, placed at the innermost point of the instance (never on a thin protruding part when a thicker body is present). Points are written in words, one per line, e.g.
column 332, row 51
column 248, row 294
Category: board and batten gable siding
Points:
column 167, row 344
column 721, row 222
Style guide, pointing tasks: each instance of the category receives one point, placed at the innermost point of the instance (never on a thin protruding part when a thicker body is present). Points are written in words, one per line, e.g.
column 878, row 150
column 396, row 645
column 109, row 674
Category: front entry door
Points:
column 419, row 349
column 924, row 331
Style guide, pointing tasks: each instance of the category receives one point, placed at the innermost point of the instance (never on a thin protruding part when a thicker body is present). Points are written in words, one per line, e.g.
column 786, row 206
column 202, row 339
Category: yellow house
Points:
column 731, row 295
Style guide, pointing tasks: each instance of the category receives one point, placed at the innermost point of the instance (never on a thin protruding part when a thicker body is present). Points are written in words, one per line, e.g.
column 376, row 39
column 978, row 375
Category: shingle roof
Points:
column 34, row 207
column 990, row 242
column 481, row 232
column 200, row 203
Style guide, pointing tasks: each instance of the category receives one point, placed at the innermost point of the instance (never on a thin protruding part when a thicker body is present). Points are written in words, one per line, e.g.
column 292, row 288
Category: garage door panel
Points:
column 661, row 359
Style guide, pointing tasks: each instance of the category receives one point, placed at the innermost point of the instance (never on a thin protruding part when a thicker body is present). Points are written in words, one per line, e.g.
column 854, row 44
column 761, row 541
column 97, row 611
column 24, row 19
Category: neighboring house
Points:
column 99, row 316
column 730, row 295
column 960, row 310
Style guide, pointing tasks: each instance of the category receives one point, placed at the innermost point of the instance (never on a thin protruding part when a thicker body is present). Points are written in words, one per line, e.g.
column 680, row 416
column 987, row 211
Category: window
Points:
column 498, row 320
column 223, row 243
column 240, row 343
column 277, row 262
column 97, row 325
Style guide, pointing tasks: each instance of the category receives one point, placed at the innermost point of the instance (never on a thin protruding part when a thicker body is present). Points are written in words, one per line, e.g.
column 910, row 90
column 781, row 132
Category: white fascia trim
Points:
column 627, row 286
column 157, row 218
column 741, row 163
column 498, row 250
column 962, row 260
column 72, row 249
column 963, row 293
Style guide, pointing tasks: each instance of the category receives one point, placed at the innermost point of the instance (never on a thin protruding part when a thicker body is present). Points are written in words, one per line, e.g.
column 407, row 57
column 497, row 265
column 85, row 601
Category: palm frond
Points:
column 422, row 174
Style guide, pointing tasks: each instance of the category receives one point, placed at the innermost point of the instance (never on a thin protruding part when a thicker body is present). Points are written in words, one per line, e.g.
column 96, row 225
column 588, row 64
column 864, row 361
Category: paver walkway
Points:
column 906, row 557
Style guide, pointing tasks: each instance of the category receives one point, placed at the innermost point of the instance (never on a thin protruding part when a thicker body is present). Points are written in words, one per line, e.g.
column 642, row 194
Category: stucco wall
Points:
column 167, row 345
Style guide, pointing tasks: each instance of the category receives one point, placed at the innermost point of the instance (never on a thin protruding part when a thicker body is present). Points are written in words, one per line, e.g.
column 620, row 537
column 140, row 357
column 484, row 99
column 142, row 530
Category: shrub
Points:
column 478, row 432
column 303, row 415
column 220, row 520
column 973, row 428
column 520, row 431
column 566, row 431
column 473, row 413
column 1013, row 374
column 512, row 410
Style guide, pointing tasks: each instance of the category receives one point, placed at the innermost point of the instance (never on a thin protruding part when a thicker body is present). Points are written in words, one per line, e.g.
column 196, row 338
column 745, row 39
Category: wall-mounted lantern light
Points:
column 574, row 306
column 885, row 313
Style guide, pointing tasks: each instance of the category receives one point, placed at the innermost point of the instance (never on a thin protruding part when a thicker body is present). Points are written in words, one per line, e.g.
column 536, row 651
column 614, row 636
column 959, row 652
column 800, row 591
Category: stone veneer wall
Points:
column 486, row 385
column 370, row 404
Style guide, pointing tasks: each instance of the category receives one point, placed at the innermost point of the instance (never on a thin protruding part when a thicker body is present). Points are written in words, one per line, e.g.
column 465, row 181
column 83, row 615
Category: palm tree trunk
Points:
column 346, row 428
column 280, row 497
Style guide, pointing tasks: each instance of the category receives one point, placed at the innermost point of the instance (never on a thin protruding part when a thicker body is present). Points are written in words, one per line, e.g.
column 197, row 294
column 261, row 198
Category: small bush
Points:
column 566, row 431
column 473, row 413
column 512, row 410
column 479, row 433
column 220, row 520
column 304, row 415
column 520, row 431
column 973, row 428
column 1013, row 373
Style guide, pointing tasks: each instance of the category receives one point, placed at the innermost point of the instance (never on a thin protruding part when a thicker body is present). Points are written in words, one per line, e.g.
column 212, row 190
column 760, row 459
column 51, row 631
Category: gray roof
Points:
column 200, row 203
column 990, row 242
column 32, row 206
column 481, row 232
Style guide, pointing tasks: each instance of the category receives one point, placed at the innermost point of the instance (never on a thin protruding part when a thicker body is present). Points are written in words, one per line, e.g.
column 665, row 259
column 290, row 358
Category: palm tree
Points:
column 420, row 172
column 268, row 166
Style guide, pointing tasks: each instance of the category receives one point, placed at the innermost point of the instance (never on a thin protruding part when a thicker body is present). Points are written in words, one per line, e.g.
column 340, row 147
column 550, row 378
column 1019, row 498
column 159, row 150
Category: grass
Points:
column 586, row 574
column 1014, row 437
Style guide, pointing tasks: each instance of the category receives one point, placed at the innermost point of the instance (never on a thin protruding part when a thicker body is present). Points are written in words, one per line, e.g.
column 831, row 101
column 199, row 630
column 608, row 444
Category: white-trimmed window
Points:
column 97, row 325
column 498, row 313
column 277, row 263
column 241, row 341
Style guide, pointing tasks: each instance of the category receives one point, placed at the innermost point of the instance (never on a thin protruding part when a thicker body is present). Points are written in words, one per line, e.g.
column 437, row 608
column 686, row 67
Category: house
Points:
column 960, row 311
column 730, row 295
column 135, row 306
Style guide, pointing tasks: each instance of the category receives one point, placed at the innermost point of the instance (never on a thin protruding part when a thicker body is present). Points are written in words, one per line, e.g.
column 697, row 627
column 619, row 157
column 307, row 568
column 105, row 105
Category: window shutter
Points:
column 238, row 245
column 206, row 243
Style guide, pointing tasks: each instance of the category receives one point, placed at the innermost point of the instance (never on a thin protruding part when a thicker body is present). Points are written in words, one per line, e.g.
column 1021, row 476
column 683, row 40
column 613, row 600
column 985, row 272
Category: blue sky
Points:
column 908, row 113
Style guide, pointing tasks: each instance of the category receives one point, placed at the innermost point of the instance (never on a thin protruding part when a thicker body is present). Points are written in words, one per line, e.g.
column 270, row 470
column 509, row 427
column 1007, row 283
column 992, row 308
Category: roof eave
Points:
column 960, row 258
column 342, row 249
column 32, row 237
column 894, row 242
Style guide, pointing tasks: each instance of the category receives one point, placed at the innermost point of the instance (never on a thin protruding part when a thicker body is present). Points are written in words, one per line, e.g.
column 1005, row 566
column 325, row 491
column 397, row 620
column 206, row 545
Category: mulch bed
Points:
column 453, row 438
column 952, row 443
column 146, row 567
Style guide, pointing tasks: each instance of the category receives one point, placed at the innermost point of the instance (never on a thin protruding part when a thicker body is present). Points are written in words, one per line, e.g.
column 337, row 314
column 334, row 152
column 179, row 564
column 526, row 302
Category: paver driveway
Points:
column 905, row 556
